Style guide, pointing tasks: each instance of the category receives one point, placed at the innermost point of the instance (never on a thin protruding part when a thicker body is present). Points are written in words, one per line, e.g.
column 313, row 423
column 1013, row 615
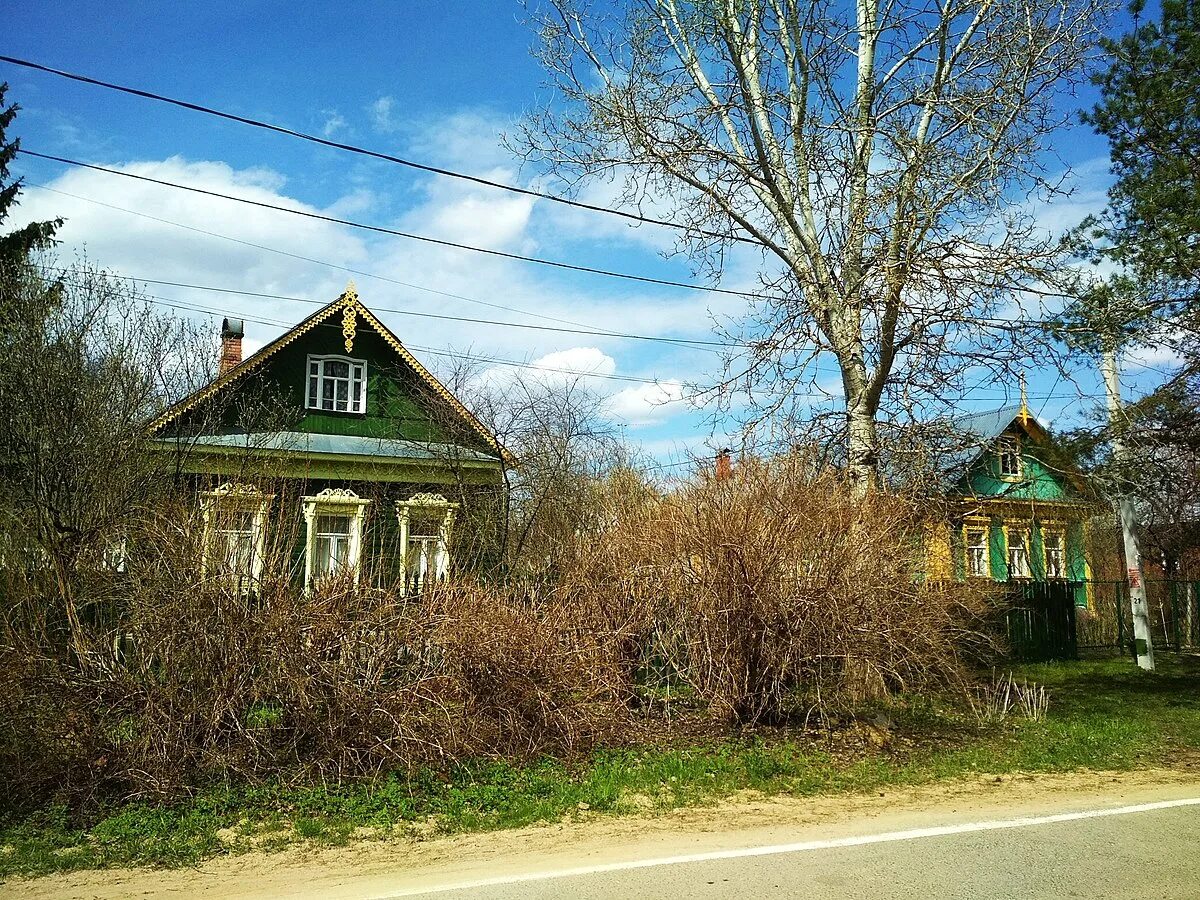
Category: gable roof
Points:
column 981, row 430
column 350, row 308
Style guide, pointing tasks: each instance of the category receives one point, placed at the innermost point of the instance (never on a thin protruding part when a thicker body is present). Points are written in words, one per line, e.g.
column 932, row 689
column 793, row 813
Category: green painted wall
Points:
column 399, row 403
column 1038, row 481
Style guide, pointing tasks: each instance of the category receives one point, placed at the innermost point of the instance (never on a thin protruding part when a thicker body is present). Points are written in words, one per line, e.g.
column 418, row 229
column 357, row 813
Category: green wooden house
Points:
column 1018, row 509
column 333, row 452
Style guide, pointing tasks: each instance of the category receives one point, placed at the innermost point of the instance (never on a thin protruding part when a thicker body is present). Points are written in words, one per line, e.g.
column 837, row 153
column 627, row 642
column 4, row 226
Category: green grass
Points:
column 1103, row 715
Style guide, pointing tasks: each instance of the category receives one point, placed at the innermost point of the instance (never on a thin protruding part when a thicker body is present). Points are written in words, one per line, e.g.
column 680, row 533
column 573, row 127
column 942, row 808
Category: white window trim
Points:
column 1058, row 531
column 1028, row 532
column 986, row 527
column 321, row 359
column 334, row 502
column 426, row 502
column 231, row 497
column 1013, row 442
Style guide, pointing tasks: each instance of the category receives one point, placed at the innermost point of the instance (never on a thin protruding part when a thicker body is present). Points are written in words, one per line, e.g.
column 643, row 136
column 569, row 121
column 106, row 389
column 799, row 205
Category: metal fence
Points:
column 1043, row 621
column 1107, row 623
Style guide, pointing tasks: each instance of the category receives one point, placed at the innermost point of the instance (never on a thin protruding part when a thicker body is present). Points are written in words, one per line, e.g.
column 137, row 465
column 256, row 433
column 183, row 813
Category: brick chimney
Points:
column 724, row 466
column 232, row 332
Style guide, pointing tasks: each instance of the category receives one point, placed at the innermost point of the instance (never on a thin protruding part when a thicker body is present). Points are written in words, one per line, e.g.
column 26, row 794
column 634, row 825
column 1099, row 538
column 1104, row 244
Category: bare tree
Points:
column 881, row 156
column 84, row 364
column 563, row 445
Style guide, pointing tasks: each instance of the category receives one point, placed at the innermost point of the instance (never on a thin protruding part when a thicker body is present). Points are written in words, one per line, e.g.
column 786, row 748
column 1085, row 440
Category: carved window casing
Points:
column 235, row 532
column 975, row 540
column 1017, row 538
column 426, row 523
column 334, row 520
column 1055, row 546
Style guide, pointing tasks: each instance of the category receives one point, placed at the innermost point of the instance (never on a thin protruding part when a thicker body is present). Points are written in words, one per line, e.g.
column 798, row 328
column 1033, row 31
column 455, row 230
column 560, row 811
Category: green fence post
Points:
column 1116, row 590
column 1175, row 614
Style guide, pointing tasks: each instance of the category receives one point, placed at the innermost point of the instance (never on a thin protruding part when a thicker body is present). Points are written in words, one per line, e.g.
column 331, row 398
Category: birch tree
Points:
column 882, row 156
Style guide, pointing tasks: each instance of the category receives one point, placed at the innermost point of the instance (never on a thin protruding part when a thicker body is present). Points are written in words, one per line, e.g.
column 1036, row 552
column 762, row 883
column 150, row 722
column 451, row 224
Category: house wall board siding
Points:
column 1038, row 481
column 399, row 404
column 474, row 540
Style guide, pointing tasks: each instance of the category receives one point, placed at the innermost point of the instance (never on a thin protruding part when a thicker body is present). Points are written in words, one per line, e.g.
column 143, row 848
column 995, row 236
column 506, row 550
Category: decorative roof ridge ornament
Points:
column 1024, row 413
column 349, row 315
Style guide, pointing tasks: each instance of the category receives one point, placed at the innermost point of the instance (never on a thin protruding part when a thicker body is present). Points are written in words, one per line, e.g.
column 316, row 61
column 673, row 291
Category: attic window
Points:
column 337, row 384
column 1009, row 453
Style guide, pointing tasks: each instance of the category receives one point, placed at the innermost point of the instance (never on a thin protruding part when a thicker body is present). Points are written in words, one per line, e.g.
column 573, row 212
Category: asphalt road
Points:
column 1095, row 835
column 1147, row 854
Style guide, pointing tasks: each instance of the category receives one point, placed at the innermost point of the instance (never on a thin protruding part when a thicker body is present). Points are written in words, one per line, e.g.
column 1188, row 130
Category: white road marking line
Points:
column 802, row 847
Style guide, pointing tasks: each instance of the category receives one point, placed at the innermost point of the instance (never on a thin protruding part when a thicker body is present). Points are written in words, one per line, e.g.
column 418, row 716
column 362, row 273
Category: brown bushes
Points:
column 770, row 594
column 192, row 682
column 777, row 587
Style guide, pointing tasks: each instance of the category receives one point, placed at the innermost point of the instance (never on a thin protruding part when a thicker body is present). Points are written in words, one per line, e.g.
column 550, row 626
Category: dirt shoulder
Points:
column 380, row 868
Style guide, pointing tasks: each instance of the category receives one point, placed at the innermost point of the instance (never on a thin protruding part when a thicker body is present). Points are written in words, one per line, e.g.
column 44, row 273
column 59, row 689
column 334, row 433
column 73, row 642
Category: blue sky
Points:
column 429, row 81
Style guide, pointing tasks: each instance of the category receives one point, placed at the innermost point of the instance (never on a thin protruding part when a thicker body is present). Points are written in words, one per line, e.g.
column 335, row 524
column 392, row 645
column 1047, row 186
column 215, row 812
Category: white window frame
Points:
column 319, row 378
column 984, row 529
column 1059, row 535
column 426, row 504
column 230, row 499
column 334, row 502
column 1009, row 446
column 1026, row 534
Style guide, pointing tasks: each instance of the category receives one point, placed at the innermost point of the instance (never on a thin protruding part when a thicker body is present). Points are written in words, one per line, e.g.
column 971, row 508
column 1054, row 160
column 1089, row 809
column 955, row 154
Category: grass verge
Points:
column 1103, row 715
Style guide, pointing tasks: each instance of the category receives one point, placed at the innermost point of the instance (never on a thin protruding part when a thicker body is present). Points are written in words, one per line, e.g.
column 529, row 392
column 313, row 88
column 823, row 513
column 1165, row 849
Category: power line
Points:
column 426, row 315
column 175, row 303
column 713, row 346
column 379, row 229
column 309, row 259
column 363, row 151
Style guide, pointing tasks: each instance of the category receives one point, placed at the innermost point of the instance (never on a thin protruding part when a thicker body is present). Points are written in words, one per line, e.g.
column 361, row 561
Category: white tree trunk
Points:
column 862, row 445
column 1133, row 554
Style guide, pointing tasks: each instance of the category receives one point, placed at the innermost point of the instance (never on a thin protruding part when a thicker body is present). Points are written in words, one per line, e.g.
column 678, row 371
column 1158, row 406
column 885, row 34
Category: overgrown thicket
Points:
column 777, row 591
column 773, row 595
column 131, row 668
column 183, row 680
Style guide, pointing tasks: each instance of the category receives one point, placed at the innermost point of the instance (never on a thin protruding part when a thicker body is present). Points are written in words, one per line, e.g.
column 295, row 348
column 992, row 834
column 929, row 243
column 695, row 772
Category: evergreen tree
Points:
column 16, row 246
column 1150, row 113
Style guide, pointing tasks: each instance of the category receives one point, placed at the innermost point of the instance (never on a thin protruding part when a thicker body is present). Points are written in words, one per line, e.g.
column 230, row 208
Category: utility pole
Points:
column 1124, row 504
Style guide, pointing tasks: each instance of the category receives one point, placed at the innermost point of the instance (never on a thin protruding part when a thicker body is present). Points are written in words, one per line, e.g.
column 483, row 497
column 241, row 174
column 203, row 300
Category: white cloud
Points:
column 647, row 404
column 480, row 218
column 334, row 122
column 467, row 140
column 589, row 360
column 383, row 114
column 147, row 246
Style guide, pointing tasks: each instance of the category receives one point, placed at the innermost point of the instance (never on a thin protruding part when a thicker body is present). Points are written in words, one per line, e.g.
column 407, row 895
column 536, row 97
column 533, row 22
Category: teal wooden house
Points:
column 1018, row 508
column 334, row 452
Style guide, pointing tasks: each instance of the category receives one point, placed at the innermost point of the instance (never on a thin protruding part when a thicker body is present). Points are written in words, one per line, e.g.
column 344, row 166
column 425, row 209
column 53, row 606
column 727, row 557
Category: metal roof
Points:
column 306, row 443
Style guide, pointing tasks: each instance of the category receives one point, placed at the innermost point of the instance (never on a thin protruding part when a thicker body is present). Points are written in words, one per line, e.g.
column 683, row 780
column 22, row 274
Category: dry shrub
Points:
column 187, row 681
column 777, row 586
column 771, row 593
column 528, row 676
